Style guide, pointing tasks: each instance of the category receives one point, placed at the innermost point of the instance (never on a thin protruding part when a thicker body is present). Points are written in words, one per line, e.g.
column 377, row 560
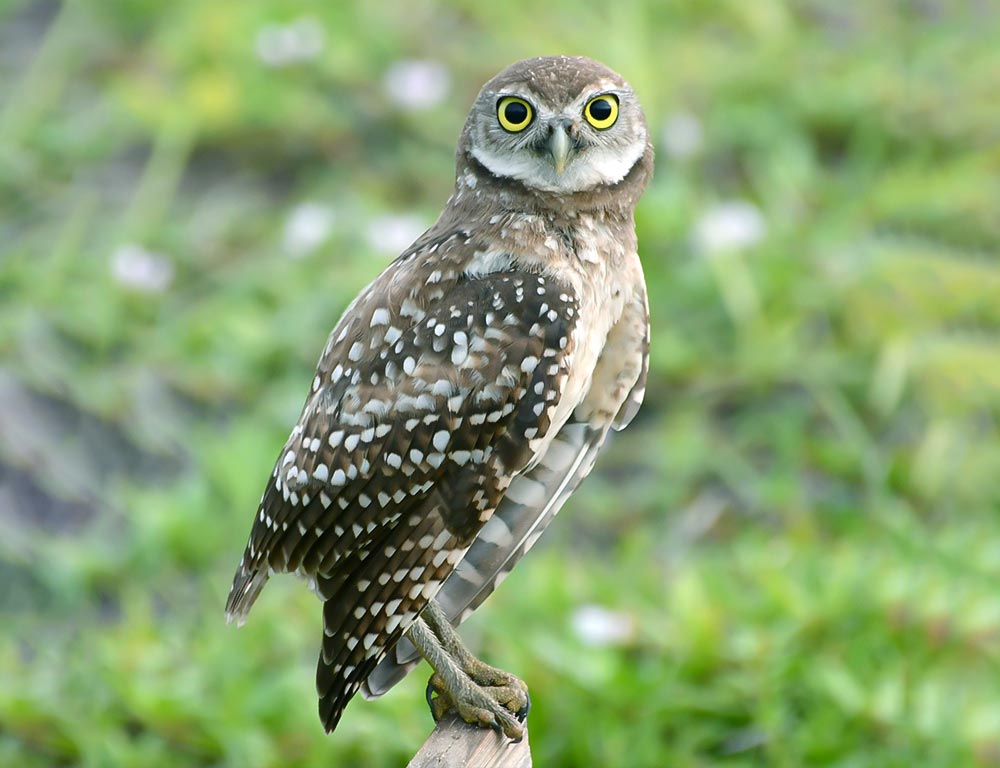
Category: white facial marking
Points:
column 597, row 166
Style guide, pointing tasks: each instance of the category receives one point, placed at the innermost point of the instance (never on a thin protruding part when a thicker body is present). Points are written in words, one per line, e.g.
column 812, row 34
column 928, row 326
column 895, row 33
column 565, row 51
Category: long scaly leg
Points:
column 479, row 693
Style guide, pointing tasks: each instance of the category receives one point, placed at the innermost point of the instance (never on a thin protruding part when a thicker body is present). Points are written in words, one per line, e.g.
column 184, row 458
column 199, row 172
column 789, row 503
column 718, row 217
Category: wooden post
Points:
column 456, row 744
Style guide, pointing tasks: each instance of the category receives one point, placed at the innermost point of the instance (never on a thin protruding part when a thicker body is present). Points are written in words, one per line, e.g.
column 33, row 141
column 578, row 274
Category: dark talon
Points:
column 522, row 713
column 429, row 695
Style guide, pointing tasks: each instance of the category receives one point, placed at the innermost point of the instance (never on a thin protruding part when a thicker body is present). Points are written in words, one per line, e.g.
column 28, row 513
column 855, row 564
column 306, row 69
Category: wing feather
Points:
column 503, row 541
column 416, row 424
column 536, row 496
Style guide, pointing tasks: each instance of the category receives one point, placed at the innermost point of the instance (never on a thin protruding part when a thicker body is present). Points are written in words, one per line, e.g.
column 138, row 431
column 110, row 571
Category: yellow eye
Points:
column 601, row 111
column 514, row 114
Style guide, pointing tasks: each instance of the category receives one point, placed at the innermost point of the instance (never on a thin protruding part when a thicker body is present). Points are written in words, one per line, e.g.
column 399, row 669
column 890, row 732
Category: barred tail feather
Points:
column 247, row 584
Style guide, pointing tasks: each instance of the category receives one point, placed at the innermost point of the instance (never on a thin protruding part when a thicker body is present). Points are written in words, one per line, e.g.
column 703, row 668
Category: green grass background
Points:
column 803, row 525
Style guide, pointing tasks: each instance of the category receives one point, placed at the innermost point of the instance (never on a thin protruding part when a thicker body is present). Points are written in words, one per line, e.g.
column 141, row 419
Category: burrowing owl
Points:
column 466, row 392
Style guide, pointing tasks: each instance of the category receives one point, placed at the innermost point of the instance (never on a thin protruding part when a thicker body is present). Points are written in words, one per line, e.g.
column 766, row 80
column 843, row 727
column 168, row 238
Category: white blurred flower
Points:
column 729, row 226
column 393, row 234
column 307, row 227
column 417, row 83
column 599, row 626
column 682, row 136
column 135, row 268
column 279, row 45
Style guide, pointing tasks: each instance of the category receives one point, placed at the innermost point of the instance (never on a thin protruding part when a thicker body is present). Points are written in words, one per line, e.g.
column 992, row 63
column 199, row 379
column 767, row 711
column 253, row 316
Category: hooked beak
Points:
column 559, row 148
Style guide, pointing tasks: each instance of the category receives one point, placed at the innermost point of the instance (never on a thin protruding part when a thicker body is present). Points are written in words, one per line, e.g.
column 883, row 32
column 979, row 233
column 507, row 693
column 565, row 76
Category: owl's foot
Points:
column 503, row 706
column 478, row 693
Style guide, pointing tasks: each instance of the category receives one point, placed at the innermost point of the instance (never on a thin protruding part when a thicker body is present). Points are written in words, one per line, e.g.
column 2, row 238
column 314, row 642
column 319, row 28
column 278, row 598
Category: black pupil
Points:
column 515, row 112
column 600, row 109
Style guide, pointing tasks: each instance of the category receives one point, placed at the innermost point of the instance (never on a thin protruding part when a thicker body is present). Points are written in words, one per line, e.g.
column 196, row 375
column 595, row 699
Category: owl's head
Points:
column 557, row 124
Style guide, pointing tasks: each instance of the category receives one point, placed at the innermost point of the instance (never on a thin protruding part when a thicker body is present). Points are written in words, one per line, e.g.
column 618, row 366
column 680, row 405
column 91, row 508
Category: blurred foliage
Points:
column 803, row 526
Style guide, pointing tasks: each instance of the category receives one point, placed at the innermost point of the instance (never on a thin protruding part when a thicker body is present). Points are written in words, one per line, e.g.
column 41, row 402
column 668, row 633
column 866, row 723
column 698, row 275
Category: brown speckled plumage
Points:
column 462, row 396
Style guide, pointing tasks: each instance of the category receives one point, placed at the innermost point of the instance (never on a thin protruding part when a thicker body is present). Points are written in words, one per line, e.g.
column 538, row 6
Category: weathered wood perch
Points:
column 455, row 744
